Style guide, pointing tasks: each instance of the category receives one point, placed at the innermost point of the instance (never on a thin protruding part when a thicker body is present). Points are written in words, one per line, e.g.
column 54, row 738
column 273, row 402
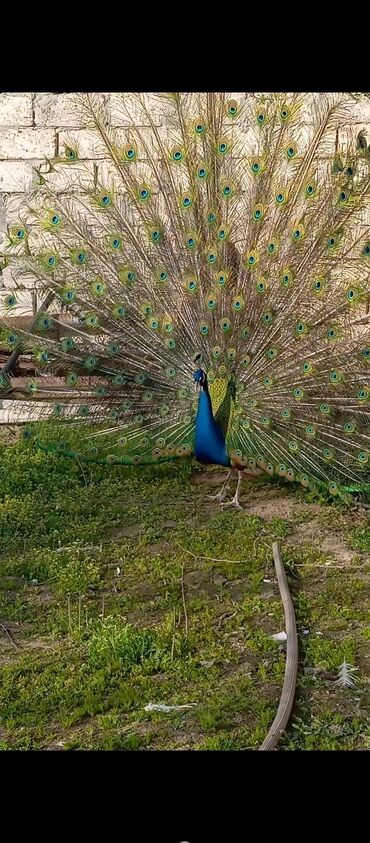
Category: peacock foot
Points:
column 234, row 502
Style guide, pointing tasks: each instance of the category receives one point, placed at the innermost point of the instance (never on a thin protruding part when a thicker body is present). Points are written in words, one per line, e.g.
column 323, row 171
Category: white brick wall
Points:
column 15, row 176
column 57, row 110
column 16, row 110
column 26, row 143
column 34, row 125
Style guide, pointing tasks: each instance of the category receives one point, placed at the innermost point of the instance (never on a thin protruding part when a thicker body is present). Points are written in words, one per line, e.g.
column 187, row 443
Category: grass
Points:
column 122, row 587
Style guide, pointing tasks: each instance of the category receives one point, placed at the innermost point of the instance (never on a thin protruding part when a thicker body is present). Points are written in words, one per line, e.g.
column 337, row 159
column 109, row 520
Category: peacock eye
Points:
column 51, row 260
column 10, row 300
column 55, row 219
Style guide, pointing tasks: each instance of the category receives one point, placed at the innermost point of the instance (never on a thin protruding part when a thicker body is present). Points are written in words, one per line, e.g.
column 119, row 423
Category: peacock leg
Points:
column 221, row 495
column 235, row 501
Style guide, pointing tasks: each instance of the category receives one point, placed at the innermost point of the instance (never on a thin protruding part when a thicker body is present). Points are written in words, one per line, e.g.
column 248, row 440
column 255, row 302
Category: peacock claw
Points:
column 235, row 503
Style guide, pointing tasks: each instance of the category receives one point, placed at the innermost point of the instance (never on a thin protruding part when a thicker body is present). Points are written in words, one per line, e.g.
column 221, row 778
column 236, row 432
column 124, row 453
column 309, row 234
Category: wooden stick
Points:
column 290, row 678
column 9, row 635
column 183, row 599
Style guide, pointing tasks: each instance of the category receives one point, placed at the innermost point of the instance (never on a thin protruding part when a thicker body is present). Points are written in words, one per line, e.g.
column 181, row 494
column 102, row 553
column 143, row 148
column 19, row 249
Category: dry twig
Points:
column 9, row 635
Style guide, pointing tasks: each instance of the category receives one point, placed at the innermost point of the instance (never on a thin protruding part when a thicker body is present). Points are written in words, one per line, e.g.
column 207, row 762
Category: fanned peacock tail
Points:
column 236, row 237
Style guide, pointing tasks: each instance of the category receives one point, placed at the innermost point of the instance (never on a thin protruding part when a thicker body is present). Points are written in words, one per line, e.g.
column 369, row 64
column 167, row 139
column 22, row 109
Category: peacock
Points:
column 204, row 288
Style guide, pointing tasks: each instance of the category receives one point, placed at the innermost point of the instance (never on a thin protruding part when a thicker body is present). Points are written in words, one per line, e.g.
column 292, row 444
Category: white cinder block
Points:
column 11, row 206
column 2, row 216
column 71, row 178
column 90, row 145
column 361, row 110
column 125, row 110
column 87, row 143
column 16, row 109
column 16, row 176
column 26, row 143
column 109, row 176
column 348, row 133
column 57, row 110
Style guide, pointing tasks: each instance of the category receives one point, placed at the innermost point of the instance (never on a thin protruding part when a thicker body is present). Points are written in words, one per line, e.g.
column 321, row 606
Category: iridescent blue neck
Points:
column 210, row 445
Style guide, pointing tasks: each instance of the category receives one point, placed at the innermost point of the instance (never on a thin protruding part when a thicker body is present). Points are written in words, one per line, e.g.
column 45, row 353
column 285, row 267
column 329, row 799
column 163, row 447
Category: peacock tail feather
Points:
column 236, row 235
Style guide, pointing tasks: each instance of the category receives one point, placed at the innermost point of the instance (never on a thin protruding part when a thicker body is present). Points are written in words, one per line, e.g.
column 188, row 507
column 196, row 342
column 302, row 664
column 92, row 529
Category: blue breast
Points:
column 210, row 446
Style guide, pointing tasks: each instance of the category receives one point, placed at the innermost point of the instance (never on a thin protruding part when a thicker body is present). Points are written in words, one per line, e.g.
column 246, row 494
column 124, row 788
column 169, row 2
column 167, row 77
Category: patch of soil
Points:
column 209, row 478
column 312, row 533
column 205, row 581
column 125, row 532
column 157, row 548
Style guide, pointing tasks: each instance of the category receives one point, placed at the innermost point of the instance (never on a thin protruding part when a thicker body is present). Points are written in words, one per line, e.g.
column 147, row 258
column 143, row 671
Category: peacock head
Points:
column 200, row 379
column 199, row 376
